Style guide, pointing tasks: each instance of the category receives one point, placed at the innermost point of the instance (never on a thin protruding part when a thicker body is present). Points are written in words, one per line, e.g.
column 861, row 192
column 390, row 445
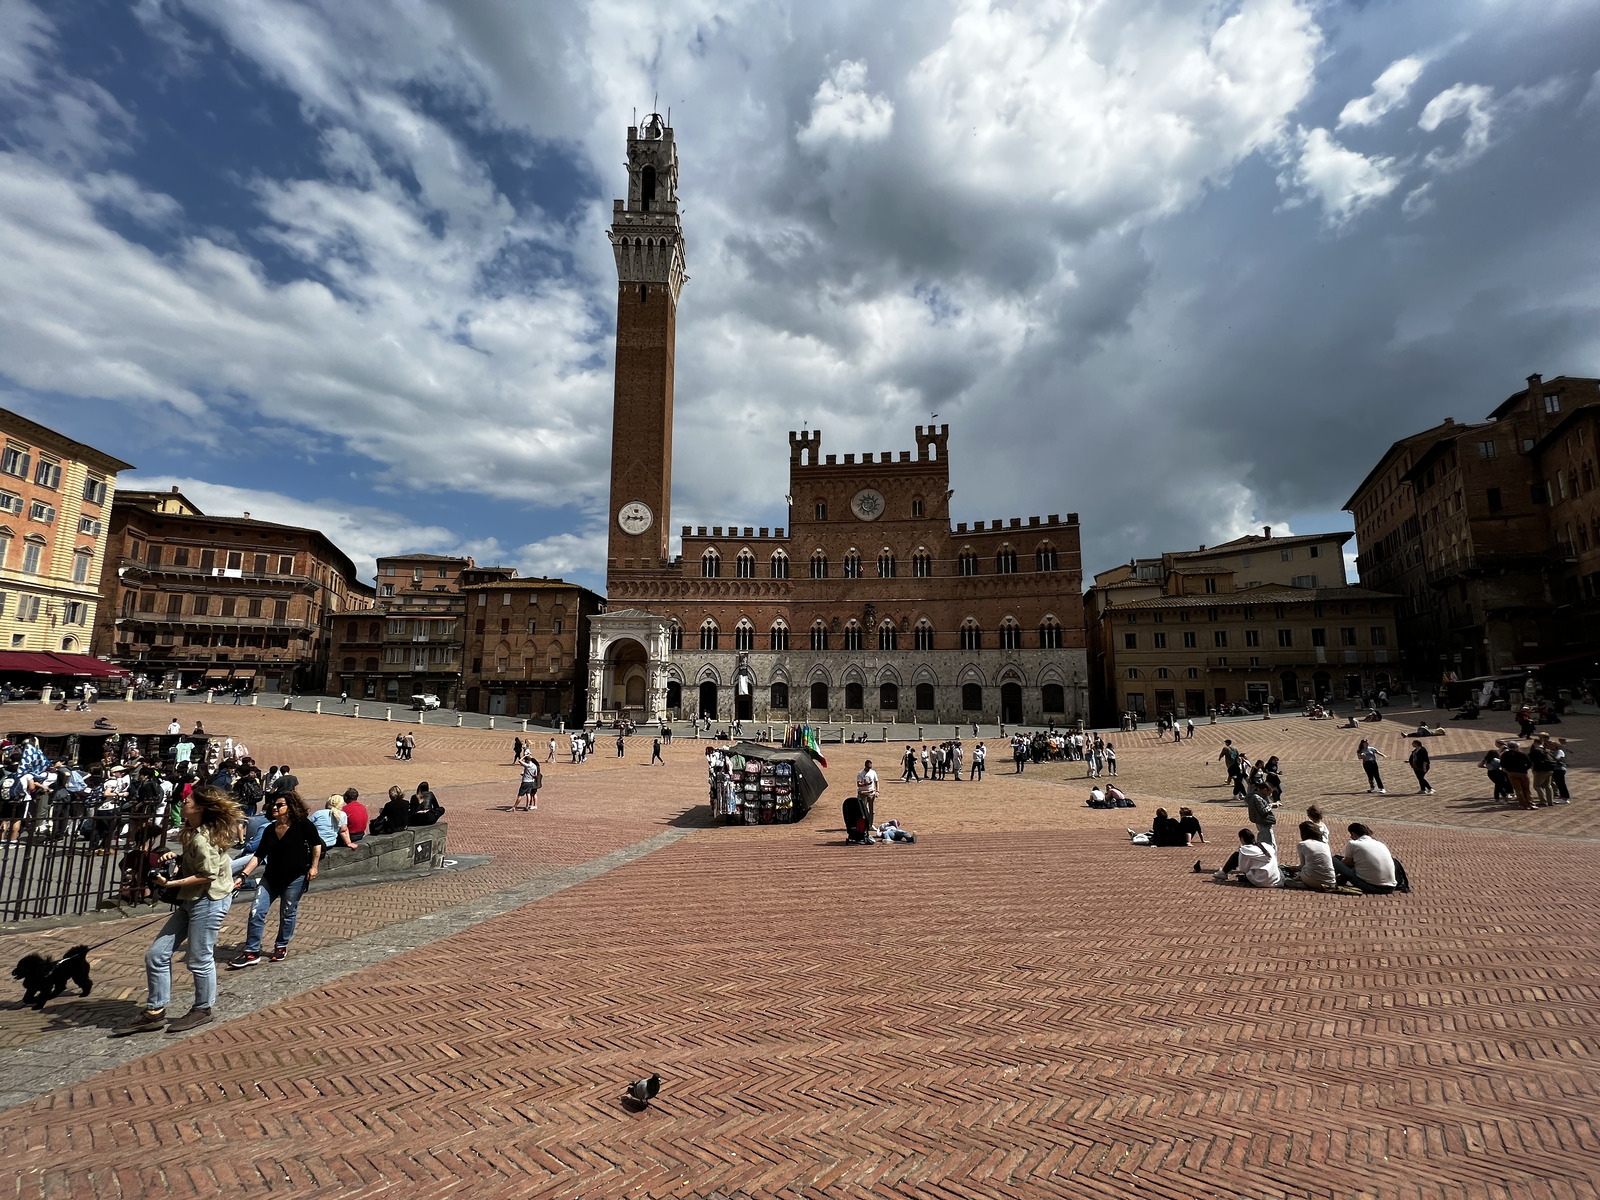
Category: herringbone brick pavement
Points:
column 1022, row 1004
column 987, row 1014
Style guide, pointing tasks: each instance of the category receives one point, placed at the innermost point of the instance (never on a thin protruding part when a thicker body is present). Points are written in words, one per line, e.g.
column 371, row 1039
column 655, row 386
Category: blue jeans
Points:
column 199, row 921
column 1266, row 837
column 288, row 908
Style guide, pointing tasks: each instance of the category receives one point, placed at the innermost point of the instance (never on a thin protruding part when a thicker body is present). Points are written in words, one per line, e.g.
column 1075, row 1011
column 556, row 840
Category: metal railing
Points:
column 70, row 854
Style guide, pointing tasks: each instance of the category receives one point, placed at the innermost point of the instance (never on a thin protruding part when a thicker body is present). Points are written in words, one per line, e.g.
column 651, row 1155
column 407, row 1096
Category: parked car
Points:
column 425, row 703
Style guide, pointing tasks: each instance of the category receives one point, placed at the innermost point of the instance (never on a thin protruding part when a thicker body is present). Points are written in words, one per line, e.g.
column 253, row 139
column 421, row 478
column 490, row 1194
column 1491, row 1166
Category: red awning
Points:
column 36, row 664
column 85, row 664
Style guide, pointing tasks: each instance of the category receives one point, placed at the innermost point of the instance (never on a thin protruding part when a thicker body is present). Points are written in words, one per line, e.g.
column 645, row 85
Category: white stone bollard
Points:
column 210, row 695
column 319, row 707
column 420, row 714
column 524, row 725
column 388, row 714
column 253, row 699
column 45, row 695
column 491, row 722
column 357, row 711
column 458, row 720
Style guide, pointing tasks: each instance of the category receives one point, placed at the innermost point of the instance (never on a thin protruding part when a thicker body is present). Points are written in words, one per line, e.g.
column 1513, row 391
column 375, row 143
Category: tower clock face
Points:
column 868, row 504
column 635, row 517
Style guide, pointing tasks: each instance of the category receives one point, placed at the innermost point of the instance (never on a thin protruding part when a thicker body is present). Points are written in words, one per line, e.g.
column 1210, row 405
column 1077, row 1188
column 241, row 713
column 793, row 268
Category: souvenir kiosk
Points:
column 753, row 784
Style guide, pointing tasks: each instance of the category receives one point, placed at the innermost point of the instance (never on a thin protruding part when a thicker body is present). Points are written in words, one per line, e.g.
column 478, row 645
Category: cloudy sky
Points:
column 1183, row 268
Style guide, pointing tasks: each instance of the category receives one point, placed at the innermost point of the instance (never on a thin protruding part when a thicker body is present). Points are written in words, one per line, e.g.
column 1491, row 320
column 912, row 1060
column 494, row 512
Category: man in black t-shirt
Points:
column 1516, row 764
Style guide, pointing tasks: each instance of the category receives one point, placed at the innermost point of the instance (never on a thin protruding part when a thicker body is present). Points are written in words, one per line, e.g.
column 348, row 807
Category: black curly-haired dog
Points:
column 46, row 978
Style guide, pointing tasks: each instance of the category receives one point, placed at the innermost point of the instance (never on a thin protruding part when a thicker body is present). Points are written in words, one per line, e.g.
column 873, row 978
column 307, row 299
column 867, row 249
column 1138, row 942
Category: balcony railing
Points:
column 192, row 620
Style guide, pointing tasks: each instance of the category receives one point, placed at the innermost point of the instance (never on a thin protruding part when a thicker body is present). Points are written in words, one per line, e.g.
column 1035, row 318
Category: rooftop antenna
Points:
column 655, row 102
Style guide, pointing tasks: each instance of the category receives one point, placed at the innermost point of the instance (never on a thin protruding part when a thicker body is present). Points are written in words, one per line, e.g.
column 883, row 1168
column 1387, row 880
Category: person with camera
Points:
column 291, row 847
column 202, row 891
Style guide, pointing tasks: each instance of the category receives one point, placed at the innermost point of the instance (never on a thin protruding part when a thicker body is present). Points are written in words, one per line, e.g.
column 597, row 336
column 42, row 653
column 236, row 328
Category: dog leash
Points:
column 142, row 925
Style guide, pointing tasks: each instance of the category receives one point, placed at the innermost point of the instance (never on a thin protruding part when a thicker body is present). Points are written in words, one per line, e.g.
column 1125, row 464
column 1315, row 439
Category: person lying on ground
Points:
column 1257, row 865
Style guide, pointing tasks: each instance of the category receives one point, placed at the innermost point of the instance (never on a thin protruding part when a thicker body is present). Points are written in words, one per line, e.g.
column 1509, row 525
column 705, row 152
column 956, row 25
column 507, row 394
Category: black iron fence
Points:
column 69, row 853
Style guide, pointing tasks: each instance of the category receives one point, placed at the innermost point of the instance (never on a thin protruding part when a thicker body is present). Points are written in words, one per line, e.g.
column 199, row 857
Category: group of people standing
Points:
column 942, row 762
column 1532, row 777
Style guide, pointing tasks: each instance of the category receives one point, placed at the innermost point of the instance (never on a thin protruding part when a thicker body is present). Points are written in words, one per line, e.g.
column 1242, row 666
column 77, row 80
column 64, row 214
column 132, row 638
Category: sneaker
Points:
column 145, row 1022
column 279, row 953
column 192, row 1019
column 1131, row 834
column 247, row 959
column 1220, row 876
column 1381, row 792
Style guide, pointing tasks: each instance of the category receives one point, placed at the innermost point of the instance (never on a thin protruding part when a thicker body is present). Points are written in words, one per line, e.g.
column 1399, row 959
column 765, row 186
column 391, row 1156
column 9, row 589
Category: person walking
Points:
column 1188, row 729
column 1260, row 807
column 926, row 762
column 551, row 757
column 620, row 744
column 908, row 764
column 292, row 851
column 527, row 798
column 979, row 754
column 1369, row 756
column 516, row 749
column 1111, row 760
column 399, row 746
column 205, row 892
column 1558, row 774
column 411, row 745
column 1420, row 762
column 655, row 753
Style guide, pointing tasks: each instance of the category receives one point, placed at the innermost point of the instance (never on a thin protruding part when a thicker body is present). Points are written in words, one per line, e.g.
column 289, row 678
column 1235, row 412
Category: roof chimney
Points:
column 247, row 516
column 174, row 489
column 1266, row 531
column 1534, row 381
column 1202, row 545
column 1449, row 420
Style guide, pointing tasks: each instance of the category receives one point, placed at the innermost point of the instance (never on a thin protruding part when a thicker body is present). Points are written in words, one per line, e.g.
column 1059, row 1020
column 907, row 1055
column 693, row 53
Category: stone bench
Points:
column 404, row 855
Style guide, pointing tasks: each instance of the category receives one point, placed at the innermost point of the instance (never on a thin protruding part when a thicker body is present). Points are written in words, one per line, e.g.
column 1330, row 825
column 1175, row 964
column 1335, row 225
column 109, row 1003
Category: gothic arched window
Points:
column 778, row 636
column 708, row 634
column 819, row 636
column 852, row 565
column 885, row 563
column 887, row 639
column 924, row 634
column 1050, row 634
column 852, row 636
column 922, row 564
column 968, row 562
column 780, row 565
column 675, row 636
column 1010, row 635
column 819, row 565
column 744, row 635
column 1005, row 562
column 971, row 635
column 710, row 564
column 1045, row 558
column 744, row 566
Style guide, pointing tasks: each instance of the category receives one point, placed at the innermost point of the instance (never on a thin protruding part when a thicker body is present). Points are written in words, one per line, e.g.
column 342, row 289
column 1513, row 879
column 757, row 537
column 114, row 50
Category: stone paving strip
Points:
column 73, row 1055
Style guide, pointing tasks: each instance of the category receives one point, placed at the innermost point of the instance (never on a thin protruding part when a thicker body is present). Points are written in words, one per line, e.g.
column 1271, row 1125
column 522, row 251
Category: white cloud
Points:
column 1345, row 182
column 1389, row 91
column 842, row 111
column 1475, row 103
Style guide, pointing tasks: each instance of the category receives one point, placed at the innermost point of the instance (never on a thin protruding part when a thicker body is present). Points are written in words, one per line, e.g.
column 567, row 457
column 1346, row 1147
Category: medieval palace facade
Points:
column 869, row 606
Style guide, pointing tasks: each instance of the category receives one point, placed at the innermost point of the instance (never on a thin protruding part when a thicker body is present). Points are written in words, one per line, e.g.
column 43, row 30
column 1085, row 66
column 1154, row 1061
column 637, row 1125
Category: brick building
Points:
column 1488, row 533
column 188, row 597
column 411, row 641
column 1257, row 619
column 868, row 604
column 56, row 496
column 526, row 645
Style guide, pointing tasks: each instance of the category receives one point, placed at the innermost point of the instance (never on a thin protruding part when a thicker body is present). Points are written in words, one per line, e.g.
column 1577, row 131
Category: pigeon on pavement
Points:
column 644, row 1090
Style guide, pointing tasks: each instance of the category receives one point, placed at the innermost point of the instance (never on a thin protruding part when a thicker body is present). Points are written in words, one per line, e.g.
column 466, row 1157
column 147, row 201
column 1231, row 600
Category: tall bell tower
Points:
column 648, row 243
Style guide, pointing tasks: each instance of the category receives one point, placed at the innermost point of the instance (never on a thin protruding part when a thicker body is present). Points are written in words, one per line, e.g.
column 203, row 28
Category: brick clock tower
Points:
column 647, row 240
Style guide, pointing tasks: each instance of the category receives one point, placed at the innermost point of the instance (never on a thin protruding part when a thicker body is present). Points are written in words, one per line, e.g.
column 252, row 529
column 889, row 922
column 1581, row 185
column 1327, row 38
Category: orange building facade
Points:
column 870, row 605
